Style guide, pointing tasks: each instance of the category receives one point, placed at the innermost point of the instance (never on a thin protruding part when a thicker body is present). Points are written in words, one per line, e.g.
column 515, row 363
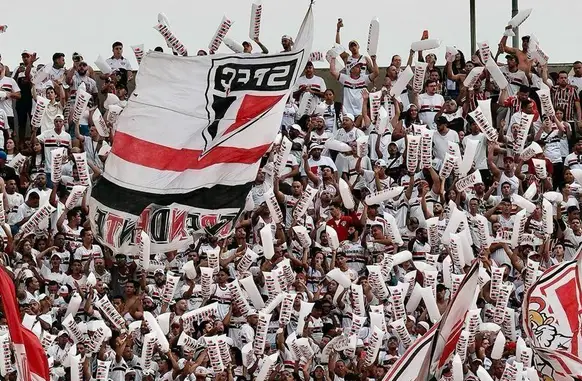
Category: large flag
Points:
column 189, row 142
column 557, row 365
column 451, row 324
column 31, row 360
column 551, row 309
column 406, row 368
column 431, row 352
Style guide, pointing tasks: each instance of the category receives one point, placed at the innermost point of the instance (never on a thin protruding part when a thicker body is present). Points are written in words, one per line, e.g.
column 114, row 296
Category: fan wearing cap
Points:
column 442, row 137
column 354, row 82
column 514, row 75
column 53, row 272
column 519, row 105
column 376, row 179
column 80, row 73
column 52, row 139
column 314, row 164
column 248, row 48
column 59, row 351
column 286, row 43
column 507, row 175
column 521, row 56
column 354, row 57
column 348, row 133
column 9, row 91
column 155, row 290
column 317, row 134
column 309, row 83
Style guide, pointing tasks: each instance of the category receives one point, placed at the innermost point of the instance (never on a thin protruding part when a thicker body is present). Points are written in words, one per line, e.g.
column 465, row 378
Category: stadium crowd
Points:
column 374, row 208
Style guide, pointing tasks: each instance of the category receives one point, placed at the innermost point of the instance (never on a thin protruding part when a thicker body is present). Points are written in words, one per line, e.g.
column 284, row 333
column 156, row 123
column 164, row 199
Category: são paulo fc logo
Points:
column 243, row 89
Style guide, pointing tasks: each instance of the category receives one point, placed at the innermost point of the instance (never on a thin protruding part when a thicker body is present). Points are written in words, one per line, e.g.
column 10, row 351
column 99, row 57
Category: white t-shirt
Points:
column 329, row 116
column 576, row 81
column 347, row 165
column 515, row 80
column 316, row 165
column 441, row 143
column 23, row 212
column 481, row 153
column 429, row 106
column 14, row 201
column 51, row 74
column 118, row 63
column 552, row 150
column 291, row 162
column 52, row 140
column 348, row 137
column 289, row 114
column 316, row 83
column 83, row 254
column 8, row 85
column 573, row 161
column 353, row 92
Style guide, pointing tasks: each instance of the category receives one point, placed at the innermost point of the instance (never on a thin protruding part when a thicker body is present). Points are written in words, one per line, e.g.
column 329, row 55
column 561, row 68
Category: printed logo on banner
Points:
column 164, row 225
column 241, row 91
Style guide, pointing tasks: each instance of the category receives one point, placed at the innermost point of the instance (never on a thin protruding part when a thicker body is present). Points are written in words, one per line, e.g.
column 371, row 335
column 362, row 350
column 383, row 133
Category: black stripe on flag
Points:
column 134, row 202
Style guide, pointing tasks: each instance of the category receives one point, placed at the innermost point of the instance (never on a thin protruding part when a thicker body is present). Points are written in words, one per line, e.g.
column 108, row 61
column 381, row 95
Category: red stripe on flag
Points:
column 251, row 107
column 156, row 156
column 30, row 356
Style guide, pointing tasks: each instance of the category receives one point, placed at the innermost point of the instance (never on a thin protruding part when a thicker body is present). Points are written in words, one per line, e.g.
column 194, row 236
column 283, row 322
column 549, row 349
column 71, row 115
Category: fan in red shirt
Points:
column 340, row 222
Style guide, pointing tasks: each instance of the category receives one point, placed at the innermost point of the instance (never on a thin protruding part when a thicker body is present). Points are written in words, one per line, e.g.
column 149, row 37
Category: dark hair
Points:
column 34, row 196
column 73, row 261
column 435, row 71
column 83, row 231
column 56, row 56
column 524, row 89
column 328, row 89
column 429, row 81
column 525, row 103
column 158, row 49
column 562, row 72
column 336, row 204
column 462, row 63
column 116, row 44
column 72, row 213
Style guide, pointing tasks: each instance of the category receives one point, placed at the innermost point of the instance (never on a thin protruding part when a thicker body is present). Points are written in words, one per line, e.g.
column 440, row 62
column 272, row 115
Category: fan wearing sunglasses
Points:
column 81, row 72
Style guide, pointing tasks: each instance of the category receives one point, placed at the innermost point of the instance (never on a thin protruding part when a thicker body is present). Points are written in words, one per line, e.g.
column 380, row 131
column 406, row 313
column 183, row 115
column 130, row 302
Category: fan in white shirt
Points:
column 429, row 103
column 442, row 137
column 354, row 83
column 309, row 82
column 348, row 133
column 9, row 91
column 576, row 79
column 52, row 139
